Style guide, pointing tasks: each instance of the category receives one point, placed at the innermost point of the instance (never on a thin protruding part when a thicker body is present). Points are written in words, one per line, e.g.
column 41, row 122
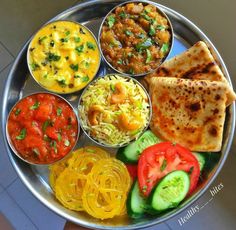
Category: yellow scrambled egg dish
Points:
column 63, row 57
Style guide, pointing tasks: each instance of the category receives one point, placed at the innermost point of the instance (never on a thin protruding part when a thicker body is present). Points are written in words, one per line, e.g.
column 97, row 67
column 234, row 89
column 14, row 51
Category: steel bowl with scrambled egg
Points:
column 63, row 57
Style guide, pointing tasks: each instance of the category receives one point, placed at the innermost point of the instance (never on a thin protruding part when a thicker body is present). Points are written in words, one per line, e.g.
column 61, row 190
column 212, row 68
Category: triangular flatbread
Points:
column 196, row 63
column 189, row 112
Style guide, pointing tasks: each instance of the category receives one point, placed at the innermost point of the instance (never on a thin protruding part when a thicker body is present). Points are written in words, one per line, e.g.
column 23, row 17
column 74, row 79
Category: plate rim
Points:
column 152, row 222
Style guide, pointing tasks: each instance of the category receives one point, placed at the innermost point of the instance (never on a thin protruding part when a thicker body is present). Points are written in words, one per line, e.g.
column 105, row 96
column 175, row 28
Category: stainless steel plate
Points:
column 20, row 83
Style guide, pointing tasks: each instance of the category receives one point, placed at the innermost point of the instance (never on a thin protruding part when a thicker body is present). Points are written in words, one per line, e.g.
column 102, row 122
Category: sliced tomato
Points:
column 133, row 170
column 158, row 160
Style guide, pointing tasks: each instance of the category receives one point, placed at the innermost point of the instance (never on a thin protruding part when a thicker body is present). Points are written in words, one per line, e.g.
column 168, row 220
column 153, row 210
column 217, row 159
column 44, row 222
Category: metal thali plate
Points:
column 20, row 83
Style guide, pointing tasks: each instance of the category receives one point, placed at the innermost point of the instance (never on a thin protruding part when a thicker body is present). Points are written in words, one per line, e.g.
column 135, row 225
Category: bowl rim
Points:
column 28, row 54
column 9, row 141
column 130, row 141
column 162, row 60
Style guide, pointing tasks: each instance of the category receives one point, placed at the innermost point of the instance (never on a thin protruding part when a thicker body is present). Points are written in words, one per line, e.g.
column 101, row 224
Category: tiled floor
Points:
column 19, row 19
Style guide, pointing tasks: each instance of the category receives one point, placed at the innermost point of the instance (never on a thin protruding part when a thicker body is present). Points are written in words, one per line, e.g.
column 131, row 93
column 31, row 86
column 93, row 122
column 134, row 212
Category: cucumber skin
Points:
column 201, row 160
column 121, row 153
column 149, row 208
column 130, row 212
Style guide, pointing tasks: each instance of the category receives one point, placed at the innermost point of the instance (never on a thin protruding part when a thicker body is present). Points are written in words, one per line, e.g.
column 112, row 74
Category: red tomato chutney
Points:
column 43, row 128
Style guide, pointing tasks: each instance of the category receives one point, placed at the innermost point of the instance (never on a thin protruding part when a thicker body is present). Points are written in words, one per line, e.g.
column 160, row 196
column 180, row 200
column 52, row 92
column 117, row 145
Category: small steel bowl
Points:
column 28, row 56
column 12, row 145
column 159, row 11
column 118, row 145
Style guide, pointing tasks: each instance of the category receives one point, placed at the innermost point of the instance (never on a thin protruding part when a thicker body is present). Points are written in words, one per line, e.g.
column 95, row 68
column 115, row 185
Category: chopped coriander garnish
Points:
column 141, row 36
column 128, row 32
column 144, row 44
column 87, row 64
column 66, row 143
column 77, row 39
column 149, row 56
column 80, row 48
column 120, row 62
column 62, row 82
column 123, row 15
column 91, row 46
column 41, row 39
column 59, row 111
column 54, row 145
column 17, row 112
column 163, row 166
column 152, row 30
column 52, row 57
column 111, row 20
column 22, row 134
column 74, row 67
column 34, row 66
column 59, row 137
column 46, row 124
column 160, row 27
column 67, row 33
column 76, row 76
column 35, row 105
column 85, row 79
column 165, row 48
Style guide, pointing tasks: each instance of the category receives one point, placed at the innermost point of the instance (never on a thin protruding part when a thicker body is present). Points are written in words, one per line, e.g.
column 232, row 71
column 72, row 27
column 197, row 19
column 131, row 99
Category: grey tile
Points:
column 5, row 57
column 1, row 188
column 20, row 19
column 39, row 212
column 7, row 172
column 14, row 214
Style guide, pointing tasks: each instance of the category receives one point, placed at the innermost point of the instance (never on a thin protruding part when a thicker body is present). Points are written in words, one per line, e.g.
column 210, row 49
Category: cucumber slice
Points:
column 201, row 159
column 135, row 202
column 170, row 191
column 131, row 153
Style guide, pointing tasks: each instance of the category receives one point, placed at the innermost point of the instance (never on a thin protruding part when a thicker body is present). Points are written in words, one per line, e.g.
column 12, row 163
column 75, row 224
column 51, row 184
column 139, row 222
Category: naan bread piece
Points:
column 196, row 63
column 189, row 112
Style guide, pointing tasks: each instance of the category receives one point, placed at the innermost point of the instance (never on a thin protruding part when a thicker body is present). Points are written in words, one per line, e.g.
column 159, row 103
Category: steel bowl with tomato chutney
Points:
column 135, row 38
column 42, row 128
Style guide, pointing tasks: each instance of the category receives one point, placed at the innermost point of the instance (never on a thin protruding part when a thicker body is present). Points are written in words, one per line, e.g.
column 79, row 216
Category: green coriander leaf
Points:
column 111, row 20
column 77, row 76
column 17, row 112
column 46, row 124
column 123, row 15
column 77, row 39
column 74, row 67
column 66, row 143
column 67, row 33
column 22, row 134
column 128, row 32
column 144, row 44
column 85, row 79
column 59, row 111
column 64, row 39
column 91, row 46
column 120, row 62
column 165, row 48
column 149, row 56
column 59, row 137
column 80, row 48
column 112, row 87
column 62, row 83
column 152, row 30
column 34, row 66
column 52, row 57
column 160, row 27
column 35, row 105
